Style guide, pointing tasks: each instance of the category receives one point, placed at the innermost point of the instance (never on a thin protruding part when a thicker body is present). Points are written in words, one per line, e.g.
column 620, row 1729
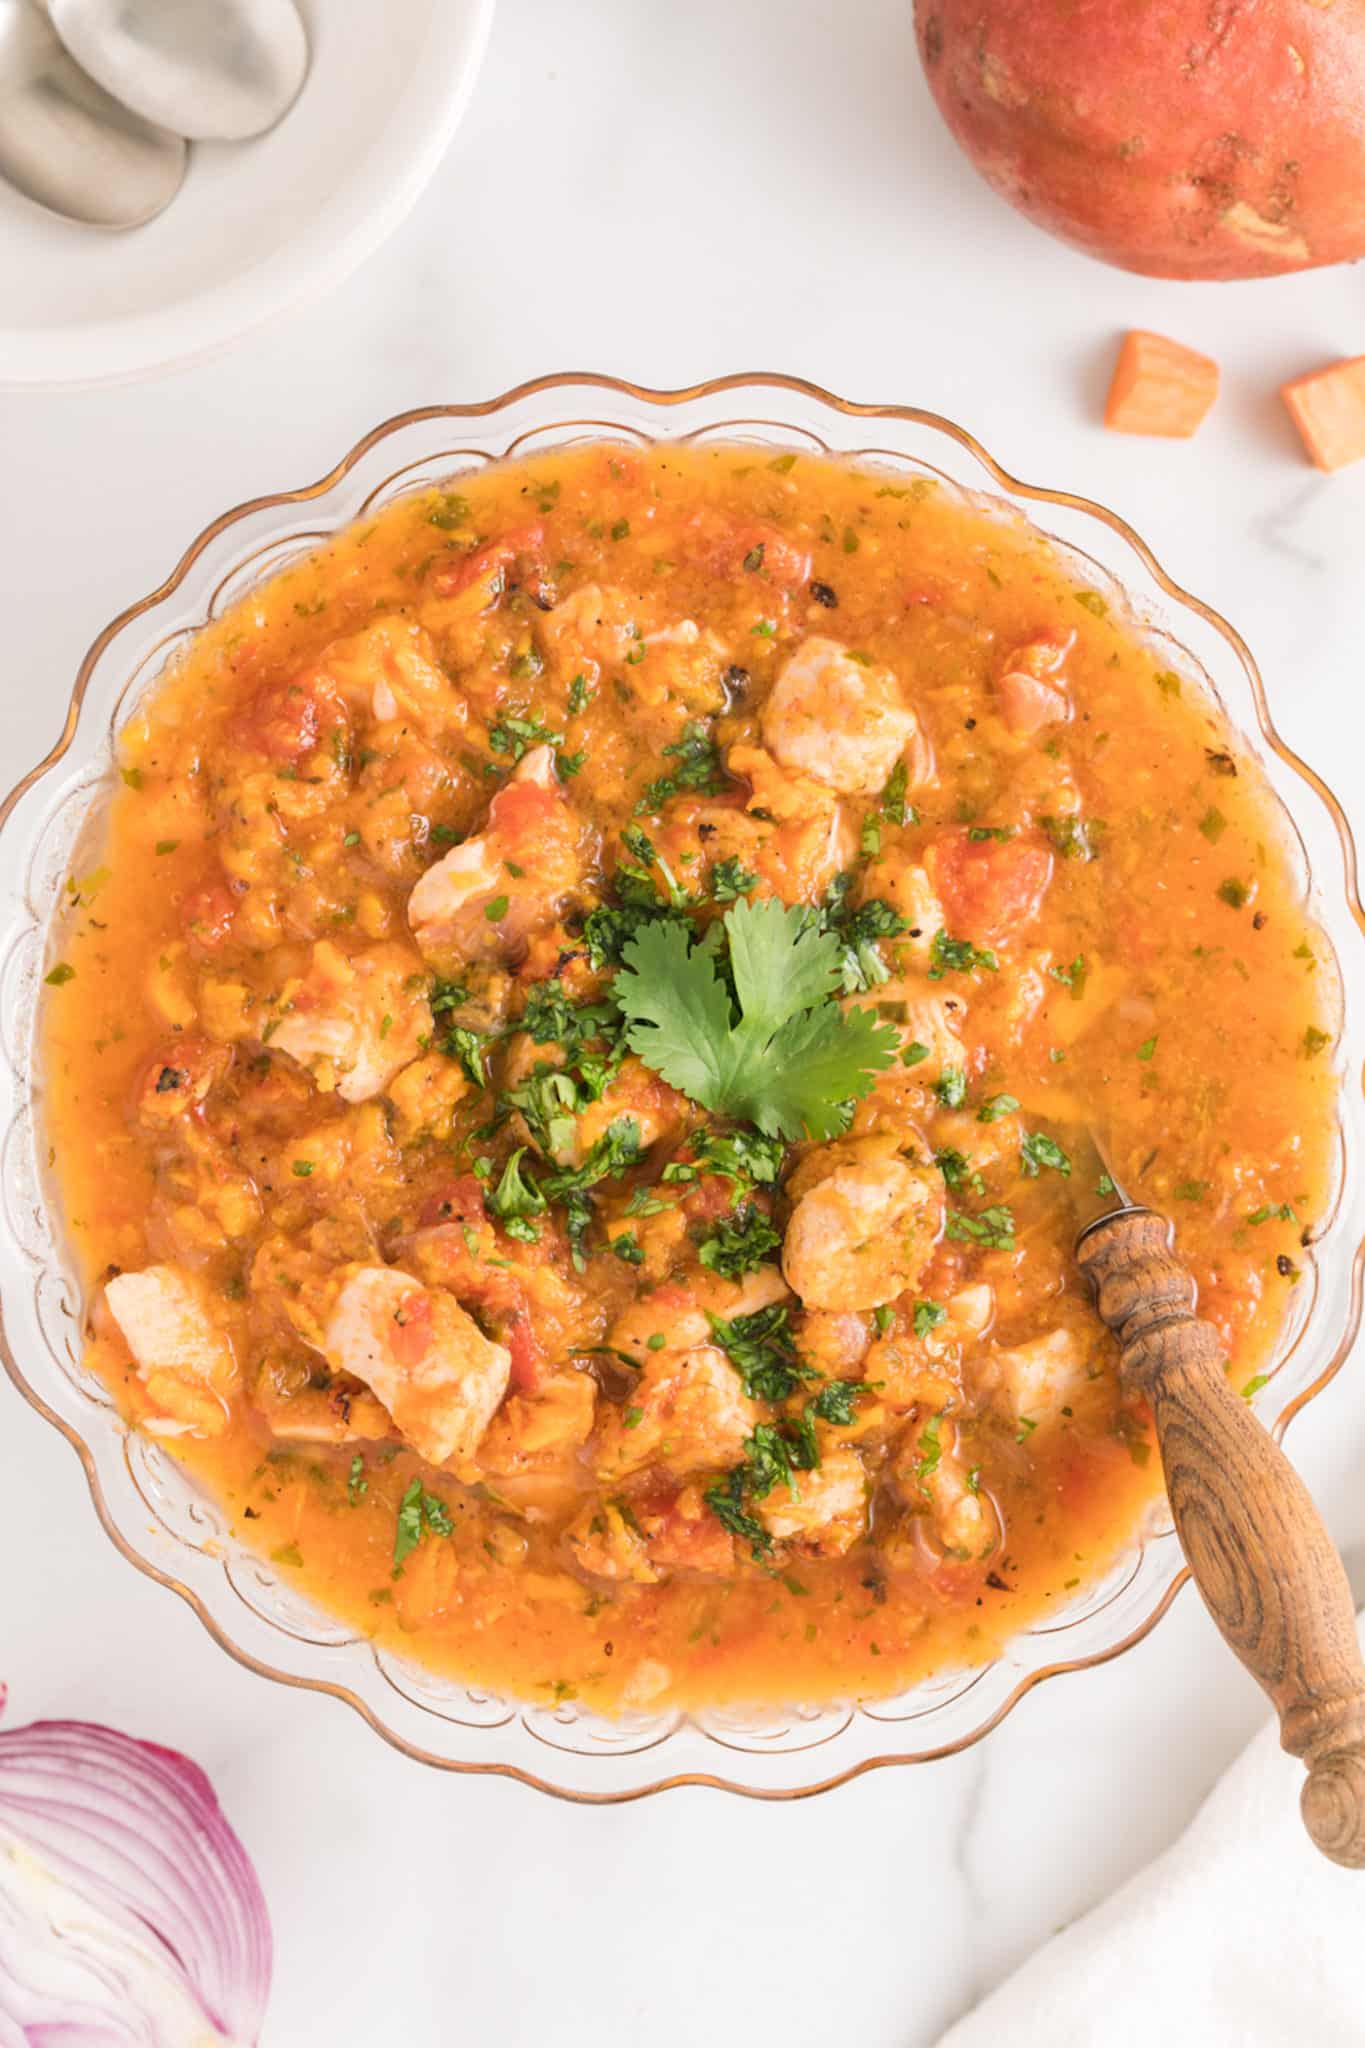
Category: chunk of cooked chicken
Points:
column 841, row 721
column 485, row 898
column 355, row 1020
column 1036, row 1379
column 183, row 1359
column 677, row 1317
column 827, row 1512
column 429, row 1363
column 687, row 1413
column 864, row 1231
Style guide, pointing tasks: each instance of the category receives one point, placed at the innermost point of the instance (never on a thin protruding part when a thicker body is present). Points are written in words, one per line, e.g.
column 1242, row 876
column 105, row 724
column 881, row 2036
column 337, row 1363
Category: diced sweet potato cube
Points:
column 1328, row 409
column 1159, row 387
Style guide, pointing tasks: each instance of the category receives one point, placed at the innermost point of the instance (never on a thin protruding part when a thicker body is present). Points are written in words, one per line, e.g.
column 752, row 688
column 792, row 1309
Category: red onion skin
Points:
column 137, row 1829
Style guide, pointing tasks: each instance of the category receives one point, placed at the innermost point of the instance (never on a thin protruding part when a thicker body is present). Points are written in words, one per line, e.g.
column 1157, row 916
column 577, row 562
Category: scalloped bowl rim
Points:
column 727, row 1729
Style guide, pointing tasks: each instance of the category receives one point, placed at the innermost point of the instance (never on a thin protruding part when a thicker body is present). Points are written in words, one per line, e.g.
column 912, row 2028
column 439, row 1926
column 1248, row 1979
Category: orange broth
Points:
column 263, row 1081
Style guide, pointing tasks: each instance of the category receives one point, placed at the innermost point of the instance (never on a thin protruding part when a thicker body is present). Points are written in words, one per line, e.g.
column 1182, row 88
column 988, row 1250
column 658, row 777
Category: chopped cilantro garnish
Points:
column 951, row 1087
column 516, row 736
column 1072, row 977
column 698, row 768
column 930, row 1450
column 928, row 1316
column 739, row 1242
column 517, row 1194
column 730, row 879
column 1037, row 1150
column 894, row 806
column 993, row 1228
column 996, row 1106
column 451, row 511
column 958, row 956
column 762, row 1351
column 1071, row 836
column 417, row 1510
column 834, row 1402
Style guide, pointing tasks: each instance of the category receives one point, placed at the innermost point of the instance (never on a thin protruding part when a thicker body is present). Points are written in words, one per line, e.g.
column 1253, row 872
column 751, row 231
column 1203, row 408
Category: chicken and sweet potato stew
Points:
column 572, row 1074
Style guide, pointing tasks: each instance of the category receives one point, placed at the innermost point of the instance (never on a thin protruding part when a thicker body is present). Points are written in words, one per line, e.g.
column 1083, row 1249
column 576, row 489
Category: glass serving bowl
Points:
column 150, row 1507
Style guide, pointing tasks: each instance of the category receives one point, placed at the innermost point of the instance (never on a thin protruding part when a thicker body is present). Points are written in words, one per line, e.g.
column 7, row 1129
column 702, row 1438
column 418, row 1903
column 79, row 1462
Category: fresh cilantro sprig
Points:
column 791, row 1061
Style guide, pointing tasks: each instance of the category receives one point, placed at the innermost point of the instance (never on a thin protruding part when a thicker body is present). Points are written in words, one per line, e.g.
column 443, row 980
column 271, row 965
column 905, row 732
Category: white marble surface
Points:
column 670, row 193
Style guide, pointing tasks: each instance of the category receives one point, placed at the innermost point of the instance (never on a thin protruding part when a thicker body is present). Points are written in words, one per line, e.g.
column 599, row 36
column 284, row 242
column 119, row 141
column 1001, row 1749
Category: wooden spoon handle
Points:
column 1265, row 1565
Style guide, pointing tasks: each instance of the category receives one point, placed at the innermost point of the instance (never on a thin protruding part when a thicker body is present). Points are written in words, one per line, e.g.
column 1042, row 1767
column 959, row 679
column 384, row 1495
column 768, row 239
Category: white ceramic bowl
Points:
column 257, row 226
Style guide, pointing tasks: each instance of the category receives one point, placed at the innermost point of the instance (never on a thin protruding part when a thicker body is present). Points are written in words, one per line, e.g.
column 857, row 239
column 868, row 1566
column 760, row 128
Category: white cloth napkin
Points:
column 1240, row 1936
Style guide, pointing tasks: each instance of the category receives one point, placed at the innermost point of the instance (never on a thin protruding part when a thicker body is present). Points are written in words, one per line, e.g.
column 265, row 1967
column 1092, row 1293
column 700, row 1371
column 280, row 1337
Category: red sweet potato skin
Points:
column 1180, row 138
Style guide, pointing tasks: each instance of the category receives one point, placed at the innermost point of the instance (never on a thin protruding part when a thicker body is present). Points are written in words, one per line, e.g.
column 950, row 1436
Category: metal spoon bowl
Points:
column 215, row 70
column 66, row 144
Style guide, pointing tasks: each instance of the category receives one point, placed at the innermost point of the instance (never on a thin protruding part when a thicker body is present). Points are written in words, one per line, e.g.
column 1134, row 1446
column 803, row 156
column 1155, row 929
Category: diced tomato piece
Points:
column 529, row 1367
column 206, row 917
column 988, row 887
column 492, row 561
column 1031, row 686
column 286, row 721
column 521, row 811
column 724, row 547
column 412, row 1332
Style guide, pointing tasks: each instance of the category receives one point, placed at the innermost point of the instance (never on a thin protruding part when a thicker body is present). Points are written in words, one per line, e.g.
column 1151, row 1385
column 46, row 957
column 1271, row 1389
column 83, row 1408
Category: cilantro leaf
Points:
column 792, row 1060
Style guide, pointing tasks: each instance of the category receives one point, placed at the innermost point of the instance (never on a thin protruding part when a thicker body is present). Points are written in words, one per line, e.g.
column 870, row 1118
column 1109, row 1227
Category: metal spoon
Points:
column 66, row 144
column 218, row 70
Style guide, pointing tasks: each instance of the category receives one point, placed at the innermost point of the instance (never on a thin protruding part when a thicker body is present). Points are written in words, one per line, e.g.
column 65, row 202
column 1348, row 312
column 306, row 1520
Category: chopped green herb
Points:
column 730, row 880
column 1037, row 1150
column 58, row 976
column 928, row 1316
column 996, row 1106
column 739, row 1242
column 452, row 511
column 958, row 956
column 993, row 1228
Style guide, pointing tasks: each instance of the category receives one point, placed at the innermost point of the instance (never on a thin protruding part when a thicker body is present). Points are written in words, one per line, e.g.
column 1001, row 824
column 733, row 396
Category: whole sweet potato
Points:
column 1183, row 138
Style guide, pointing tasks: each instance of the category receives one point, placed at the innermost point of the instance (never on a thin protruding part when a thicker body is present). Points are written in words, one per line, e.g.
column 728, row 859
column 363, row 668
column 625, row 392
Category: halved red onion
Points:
column 129, row 1910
